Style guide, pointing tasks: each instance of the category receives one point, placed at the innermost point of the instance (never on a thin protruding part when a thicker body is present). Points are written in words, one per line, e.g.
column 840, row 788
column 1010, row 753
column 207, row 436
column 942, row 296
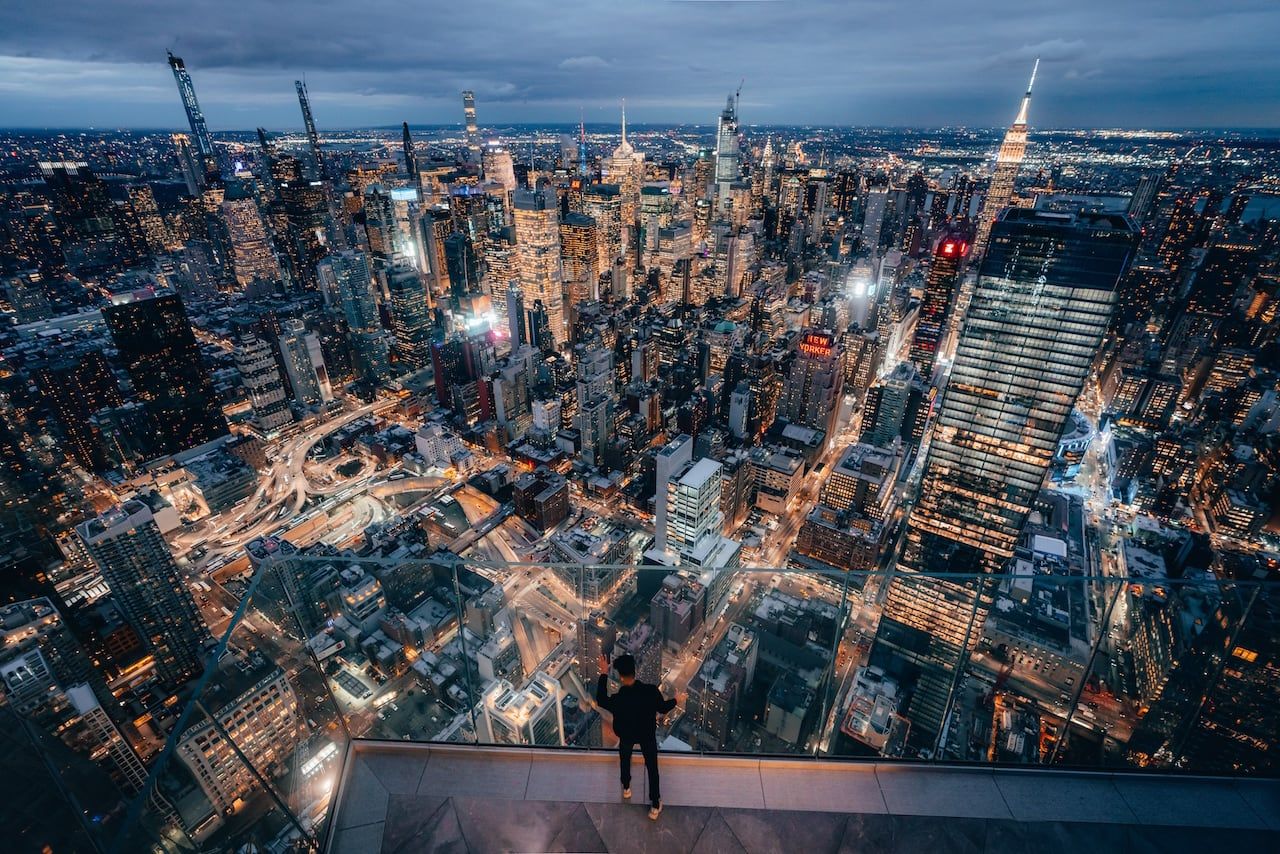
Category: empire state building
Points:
column 1008, row 162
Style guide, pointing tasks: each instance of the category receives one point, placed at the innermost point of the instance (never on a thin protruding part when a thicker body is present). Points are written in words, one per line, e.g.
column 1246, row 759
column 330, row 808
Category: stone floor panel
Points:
column 456, row 799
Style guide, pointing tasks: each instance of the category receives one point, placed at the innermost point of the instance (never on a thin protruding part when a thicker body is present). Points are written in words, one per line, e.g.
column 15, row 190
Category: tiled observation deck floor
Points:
column 414, row 797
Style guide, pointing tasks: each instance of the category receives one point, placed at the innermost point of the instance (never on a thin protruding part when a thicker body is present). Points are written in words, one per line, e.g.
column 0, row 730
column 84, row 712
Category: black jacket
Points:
column 635, row 708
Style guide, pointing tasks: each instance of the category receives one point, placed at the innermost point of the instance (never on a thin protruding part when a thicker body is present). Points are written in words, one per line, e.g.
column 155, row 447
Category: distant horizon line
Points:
column 1274, row 129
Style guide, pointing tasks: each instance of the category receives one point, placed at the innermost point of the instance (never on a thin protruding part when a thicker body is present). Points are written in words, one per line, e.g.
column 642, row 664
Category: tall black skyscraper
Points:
column 75, row 388
column 159, row 351
column 517, row 322
column 90, row 228
column 939, row 297
column 195, row 117
column 410, row 158
column 460, row 261
column 313, row 138
column 1042, row 302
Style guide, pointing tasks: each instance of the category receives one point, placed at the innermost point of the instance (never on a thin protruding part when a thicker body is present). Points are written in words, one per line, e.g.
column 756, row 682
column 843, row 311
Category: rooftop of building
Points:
column 783, row 460
column 118, row 517
column 24, row 614
column 264, row 548
column 236, row 677
column 863, row 460
column 217, row 466
column 419, row 797
column 591, row 540
column 699, row 472
column 1073, row 219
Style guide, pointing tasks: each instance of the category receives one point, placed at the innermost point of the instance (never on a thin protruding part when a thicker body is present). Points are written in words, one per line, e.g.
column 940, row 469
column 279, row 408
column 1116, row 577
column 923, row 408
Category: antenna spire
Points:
column 624, row 121
column 1026, row 99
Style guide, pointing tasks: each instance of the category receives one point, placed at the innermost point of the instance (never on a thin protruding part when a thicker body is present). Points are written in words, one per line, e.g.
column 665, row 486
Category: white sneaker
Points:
column 654, row 812
column 626, row 793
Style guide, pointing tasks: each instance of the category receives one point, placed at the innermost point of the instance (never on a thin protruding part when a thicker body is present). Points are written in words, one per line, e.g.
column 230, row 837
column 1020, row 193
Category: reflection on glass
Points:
column 1050, row 668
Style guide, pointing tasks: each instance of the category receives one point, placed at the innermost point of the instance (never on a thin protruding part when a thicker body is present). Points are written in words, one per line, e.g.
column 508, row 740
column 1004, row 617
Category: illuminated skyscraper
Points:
column 410, row 316
column 75, row 388
column 939, row 296
column 728, row 156
column 538, row 247
column 768, row 169
column 580, row 253
column 603, row 203
column 498, row 166
column 154, row 231
column 469, row 115
column 1008, row 162
column 516, row 321
column 192, row 175
column 596, row 399
column 582, row 149
column 159, row 350
column 204, row 145
column 309, row 226
column 256, row 362
column 625, row 168
column 1041, row 305
column 48, row 679
column 380, row 225
column 814, row 390
column 90, row 226
column 873, row 217
column 1144, row 196
column 251, row 252
column 460, row 263
column 148, row 587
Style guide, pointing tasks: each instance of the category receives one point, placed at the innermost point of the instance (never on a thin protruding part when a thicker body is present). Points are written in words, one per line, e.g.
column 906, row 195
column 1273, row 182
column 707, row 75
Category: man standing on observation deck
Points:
column 635, row 710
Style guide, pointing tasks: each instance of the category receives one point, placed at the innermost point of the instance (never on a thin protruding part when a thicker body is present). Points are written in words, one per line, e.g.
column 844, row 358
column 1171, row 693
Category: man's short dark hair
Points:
column 625, row 665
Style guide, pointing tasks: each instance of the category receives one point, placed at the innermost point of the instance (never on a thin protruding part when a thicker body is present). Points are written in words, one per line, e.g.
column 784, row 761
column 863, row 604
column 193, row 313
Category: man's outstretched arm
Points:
column 664, row 705
column 603, row 700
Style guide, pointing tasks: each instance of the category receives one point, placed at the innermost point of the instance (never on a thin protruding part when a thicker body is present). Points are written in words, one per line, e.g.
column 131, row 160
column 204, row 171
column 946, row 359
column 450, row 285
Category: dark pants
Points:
column 649, row 749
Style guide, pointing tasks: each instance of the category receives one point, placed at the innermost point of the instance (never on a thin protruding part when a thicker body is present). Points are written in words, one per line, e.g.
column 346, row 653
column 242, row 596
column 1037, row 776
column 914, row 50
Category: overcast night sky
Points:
column 1106, row 63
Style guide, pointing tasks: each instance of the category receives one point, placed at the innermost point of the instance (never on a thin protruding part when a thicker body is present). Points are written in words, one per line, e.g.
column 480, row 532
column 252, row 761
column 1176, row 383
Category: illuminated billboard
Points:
column 817, row 344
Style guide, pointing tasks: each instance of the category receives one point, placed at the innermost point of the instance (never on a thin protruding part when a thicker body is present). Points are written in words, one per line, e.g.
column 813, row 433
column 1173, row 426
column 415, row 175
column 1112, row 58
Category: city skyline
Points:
column 1103, row 66
column 865, row 443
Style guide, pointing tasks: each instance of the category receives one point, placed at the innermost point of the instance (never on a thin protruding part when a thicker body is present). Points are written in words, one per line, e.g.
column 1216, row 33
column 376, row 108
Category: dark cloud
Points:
column 1170, row 63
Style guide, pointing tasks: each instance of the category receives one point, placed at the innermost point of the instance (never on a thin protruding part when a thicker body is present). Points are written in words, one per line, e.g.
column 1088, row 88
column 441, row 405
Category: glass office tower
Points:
column 1042, row 302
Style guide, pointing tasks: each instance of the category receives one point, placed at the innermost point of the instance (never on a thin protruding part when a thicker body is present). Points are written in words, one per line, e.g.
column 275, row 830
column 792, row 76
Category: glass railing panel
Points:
column 1038, row 667
column 316, row 689
column 1093, row 714
column 846, row 592
column 1193, row 662
column 249, row 752
column 1233, row 730
column 396, row 641
column 885, row 665
column 404, row 675
column 1031, row 649
column 52, row 796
